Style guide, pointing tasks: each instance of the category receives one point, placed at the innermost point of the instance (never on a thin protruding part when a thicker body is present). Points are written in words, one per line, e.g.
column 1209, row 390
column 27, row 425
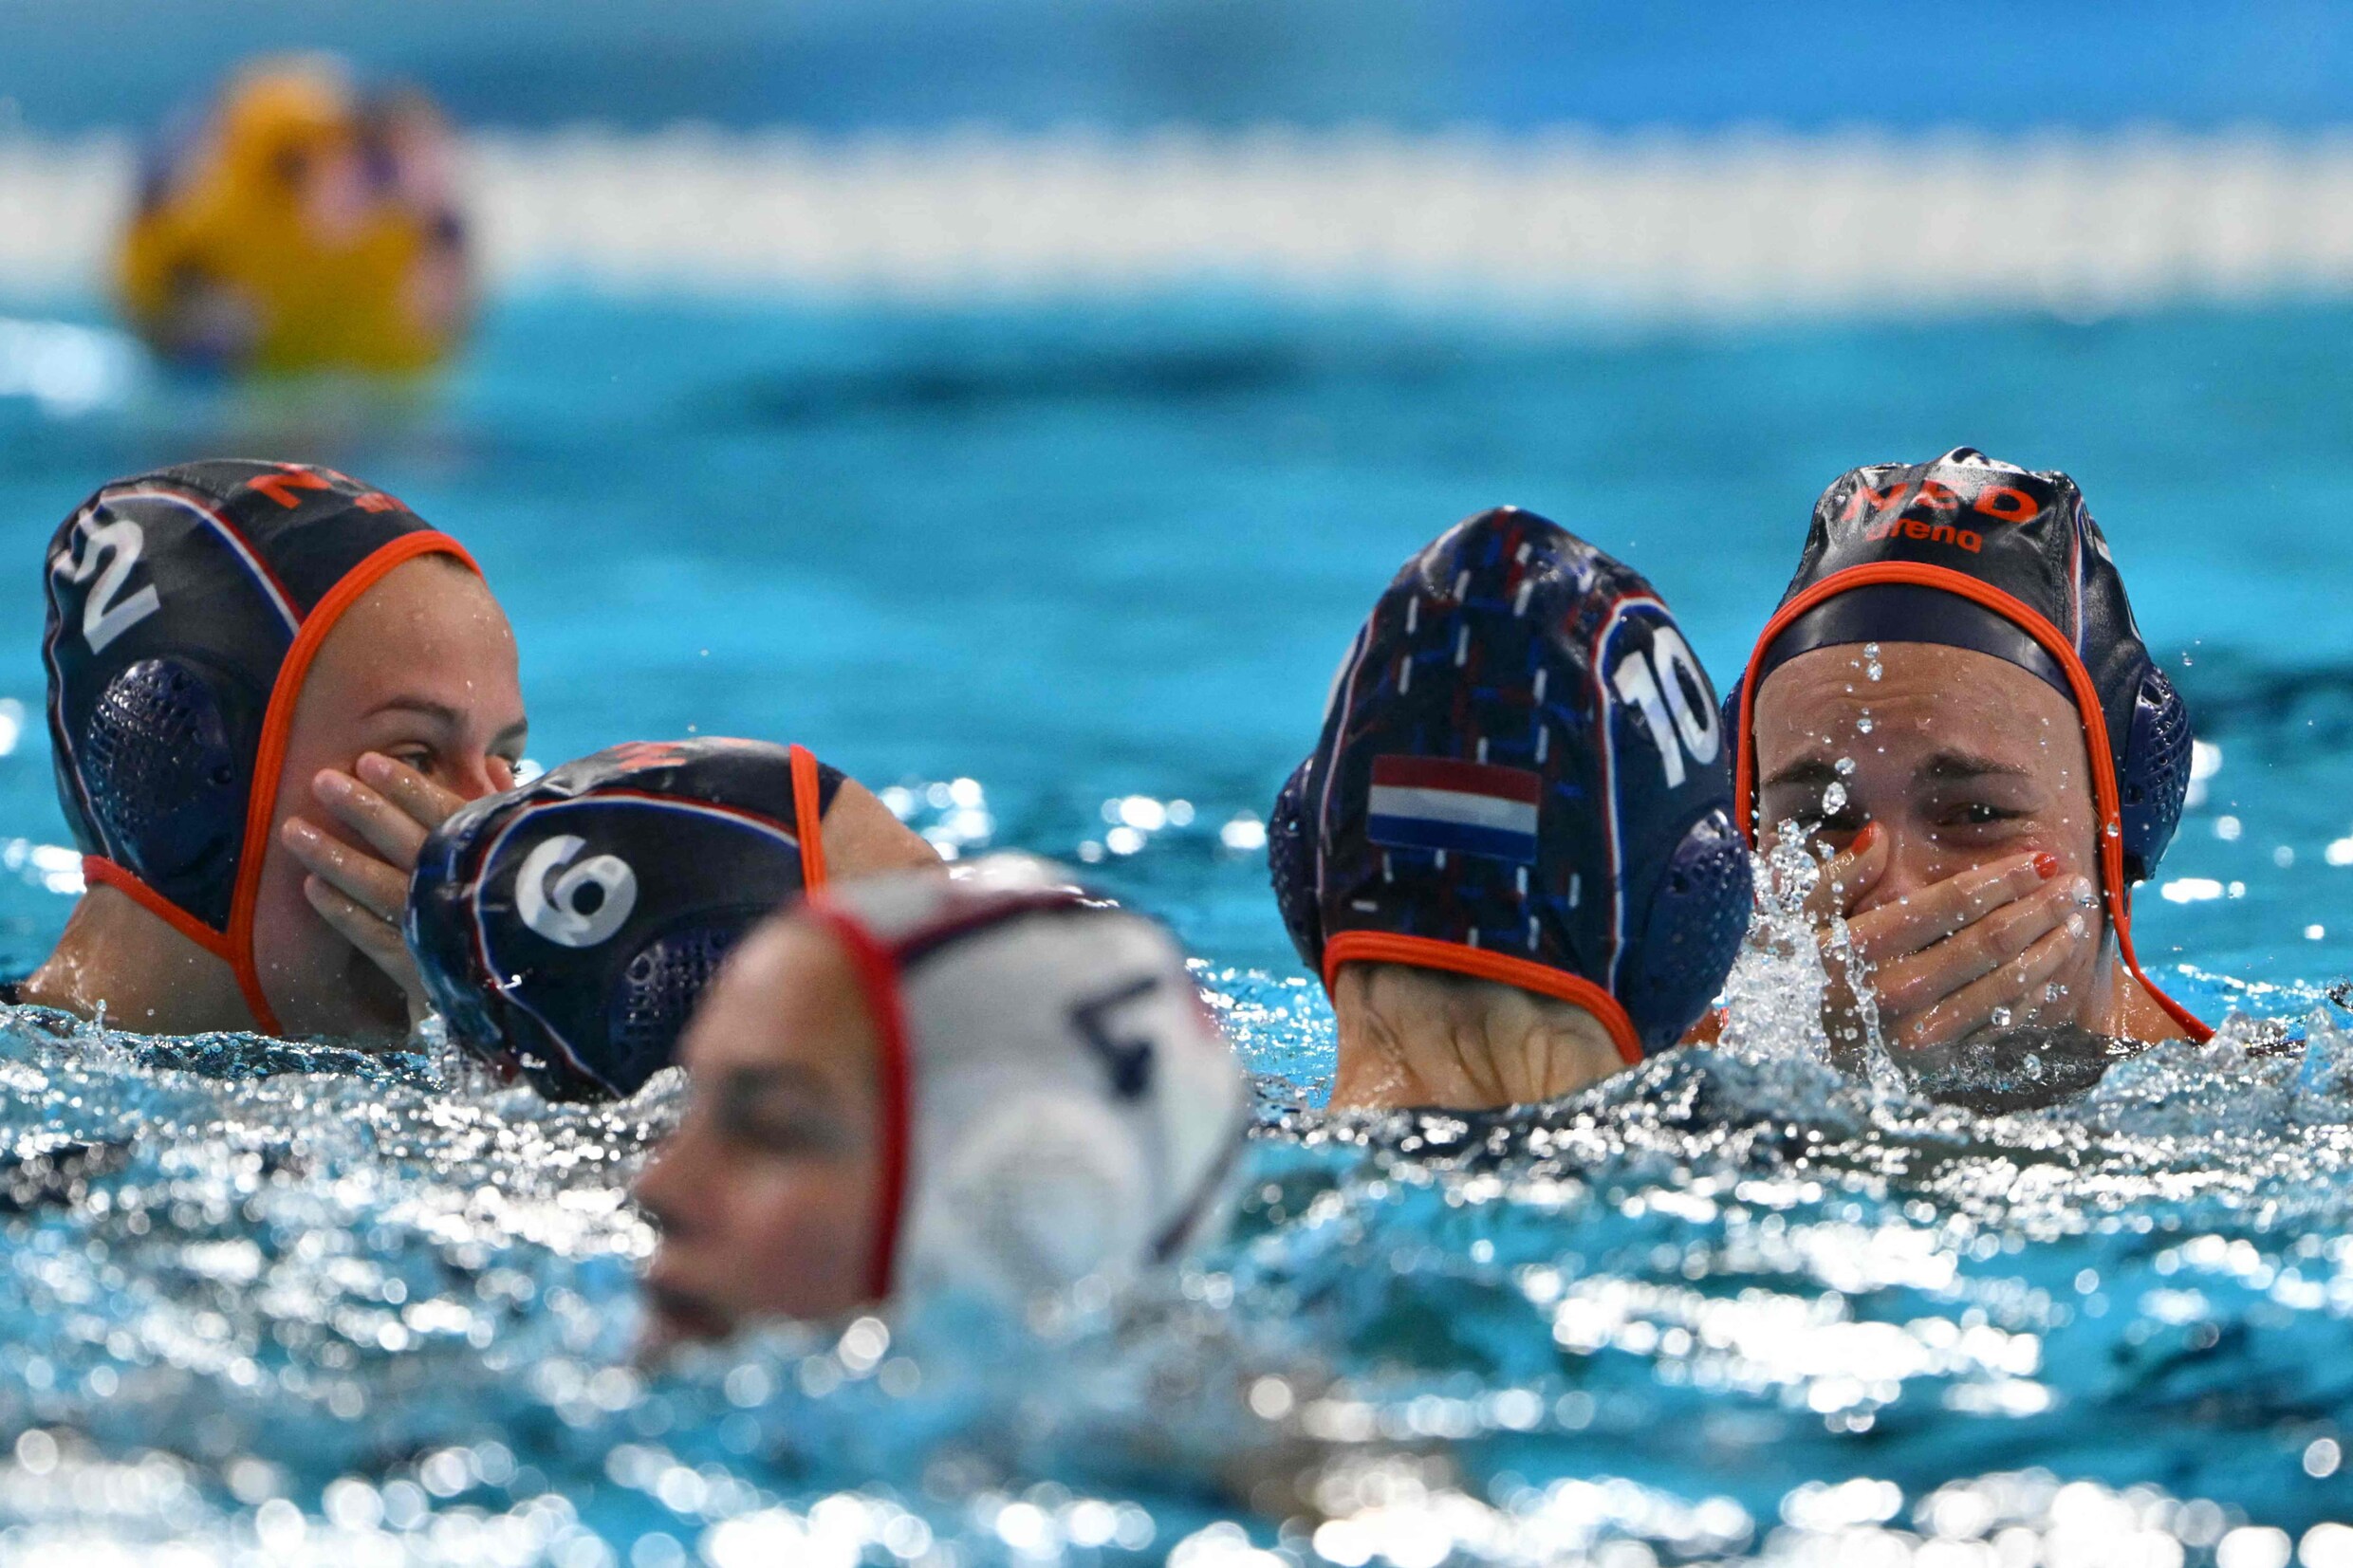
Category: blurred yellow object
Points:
column 301, row 227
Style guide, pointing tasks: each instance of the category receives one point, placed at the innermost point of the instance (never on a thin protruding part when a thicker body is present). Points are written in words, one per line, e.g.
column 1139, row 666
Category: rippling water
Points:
column 276, row 1304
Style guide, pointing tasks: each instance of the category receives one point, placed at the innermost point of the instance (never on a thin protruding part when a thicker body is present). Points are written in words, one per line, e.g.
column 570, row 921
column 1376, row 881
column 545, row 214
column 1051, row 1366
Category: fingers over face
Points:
column 1909, row 983
column 360, row 876
column 422, row 801
column 384, row 826
column 2016, row 987
column 1909, row 924
column 363, row 931
column 1849, row 876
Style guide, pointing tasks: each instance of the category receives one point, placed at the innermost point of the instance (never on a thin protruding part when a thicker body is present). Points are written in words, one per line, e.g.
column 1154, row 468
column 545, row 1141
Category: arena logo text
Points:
column 2001, row 502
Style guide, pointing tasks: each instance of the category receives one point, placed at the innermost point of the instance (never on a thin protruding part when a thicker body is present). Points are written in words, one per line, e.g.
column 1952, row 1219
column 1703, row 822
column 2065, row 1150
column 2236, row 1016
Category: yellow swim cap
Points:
column 302, row 225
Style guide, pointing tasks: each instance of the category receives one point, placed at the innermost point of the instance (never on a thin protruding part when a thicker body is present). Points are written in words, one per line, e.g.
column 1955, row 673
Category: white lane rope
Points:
column 1663, row 226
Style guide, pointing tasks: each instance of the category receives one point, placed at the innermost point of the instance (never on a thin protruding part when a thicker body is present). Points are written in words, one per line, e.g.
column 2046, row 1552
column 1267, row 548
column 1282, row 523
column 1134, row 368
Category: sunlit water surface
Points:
column 1072, row 581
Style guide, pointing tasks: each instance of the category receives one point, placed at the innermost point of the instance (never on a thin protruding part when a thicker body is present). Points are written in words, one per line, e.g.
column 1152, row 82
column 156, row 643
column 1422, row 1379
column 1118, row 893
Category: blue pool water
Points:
column 1073, row 580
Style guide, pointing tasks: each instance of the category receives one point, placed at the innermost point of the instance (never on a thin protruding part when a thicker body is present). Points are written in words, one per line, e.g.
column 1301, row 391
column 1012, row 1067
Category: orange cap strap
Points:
column 808, row 817
column 96, row 868
column 1427, row 952
column 277, row 727
column 2106, row 797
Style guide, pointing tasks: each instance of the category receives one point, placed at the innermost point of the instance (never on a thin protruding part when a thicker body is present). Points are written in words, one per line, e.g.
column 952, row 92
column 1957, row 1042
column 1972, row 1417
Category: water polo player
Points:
column 231, row 644
column 1511, row 855
column 1954, row 689
column 989, row 1086
column 300, row 223
column 568, row 927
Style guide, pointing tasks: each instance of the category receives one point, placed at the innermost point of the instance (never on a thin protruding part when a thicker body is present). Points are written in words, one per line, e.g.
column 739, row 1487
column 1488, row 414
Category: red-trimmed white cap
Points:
column 1057, row 1101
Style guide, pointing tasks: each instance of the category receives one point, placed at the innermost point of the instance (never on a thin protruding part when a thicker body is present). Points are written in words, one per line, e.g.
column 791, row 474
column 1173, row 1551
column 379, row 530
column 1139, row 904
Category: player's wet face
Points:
column 1956, row 790
column 1960, row 757
column 422, row 671
column 767, row 1194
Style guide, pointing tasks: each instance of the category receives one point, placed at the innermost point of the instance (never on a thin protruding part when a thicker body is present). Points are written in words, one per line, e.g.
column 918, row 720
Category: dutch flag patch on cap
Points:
column 1473, row 809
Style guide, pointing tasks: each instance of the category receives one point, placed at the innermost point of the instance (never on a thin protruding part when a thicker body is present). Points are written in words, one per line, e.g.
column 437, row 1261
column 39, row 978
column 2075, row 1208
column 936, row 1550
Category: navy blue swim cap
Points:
column 1973, row 553
column 185, row 607
column 1522, row 778
column 568, row 926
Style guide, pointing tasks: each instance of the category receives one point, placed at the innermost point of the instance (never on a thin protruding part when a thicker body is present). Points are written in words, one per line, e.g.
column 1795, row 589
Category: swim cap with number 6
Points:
column 568, row 926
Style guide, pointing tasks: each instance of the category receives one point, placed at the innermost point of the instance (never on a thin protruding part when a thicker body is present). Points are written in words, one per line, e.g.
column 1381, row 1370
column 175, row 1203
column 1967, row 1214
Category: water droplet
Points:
column 2034, row 1062
column 1845, row 767
column 2001, row 1018
column 1834, row 799
column 1863, row 724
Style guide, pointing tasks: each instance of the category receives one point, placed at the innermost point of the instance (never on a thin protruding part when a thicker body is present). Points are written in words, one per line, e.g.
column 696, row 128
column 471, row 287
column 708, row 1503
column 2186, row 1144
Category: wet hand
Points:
column 1947, row 960
column 361, row 890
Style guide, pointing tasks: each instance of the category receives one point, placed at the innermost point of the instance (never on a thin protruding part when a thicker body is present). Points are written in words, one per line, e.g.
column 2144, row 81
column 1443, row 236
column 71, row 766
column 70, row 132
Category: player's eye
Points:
column 1977, row 814
column 780, row 1130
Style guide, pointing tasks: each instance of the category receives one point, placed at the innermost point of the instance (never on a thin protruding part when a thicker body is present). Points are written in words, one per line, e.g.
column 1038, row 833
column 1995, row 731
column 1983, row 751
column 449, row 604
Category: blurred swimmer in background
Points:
column 1511, row 855
column 1953, row 697
column 299, row 225
column 913, row 1085
column 229, row 644
column 568, row 927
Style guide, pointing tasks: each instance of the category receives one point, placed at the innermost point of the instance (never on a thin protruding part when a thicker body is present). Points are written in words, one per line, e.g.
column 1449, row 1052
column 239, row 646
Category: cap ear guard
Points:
column 1290, row 863
column 2154, row 782
column 1044, row 1191
column 166, row 787
column 656, row 992
column 1697, row 918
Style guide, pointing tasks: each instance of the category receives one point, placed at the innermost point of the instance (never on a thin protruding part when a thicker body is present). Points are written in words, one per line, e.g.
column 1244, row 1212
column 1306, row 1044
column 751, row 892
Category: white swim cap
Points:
column 1056, row 1101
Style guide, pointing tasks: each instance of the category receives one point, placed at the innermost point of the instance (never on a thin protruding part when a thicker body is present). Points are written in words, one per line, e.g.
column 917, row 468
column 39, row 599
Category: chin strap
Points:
column 1423, row 952
column 277, row 730
column 99, row 871
column 808, row 818
column 96, row 871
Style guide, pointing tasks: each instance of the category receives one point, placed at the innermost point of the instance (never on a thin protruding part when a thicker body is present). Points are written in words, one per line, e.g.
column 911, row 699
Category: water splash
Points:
column 1773, row 999
column 283, row 1304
